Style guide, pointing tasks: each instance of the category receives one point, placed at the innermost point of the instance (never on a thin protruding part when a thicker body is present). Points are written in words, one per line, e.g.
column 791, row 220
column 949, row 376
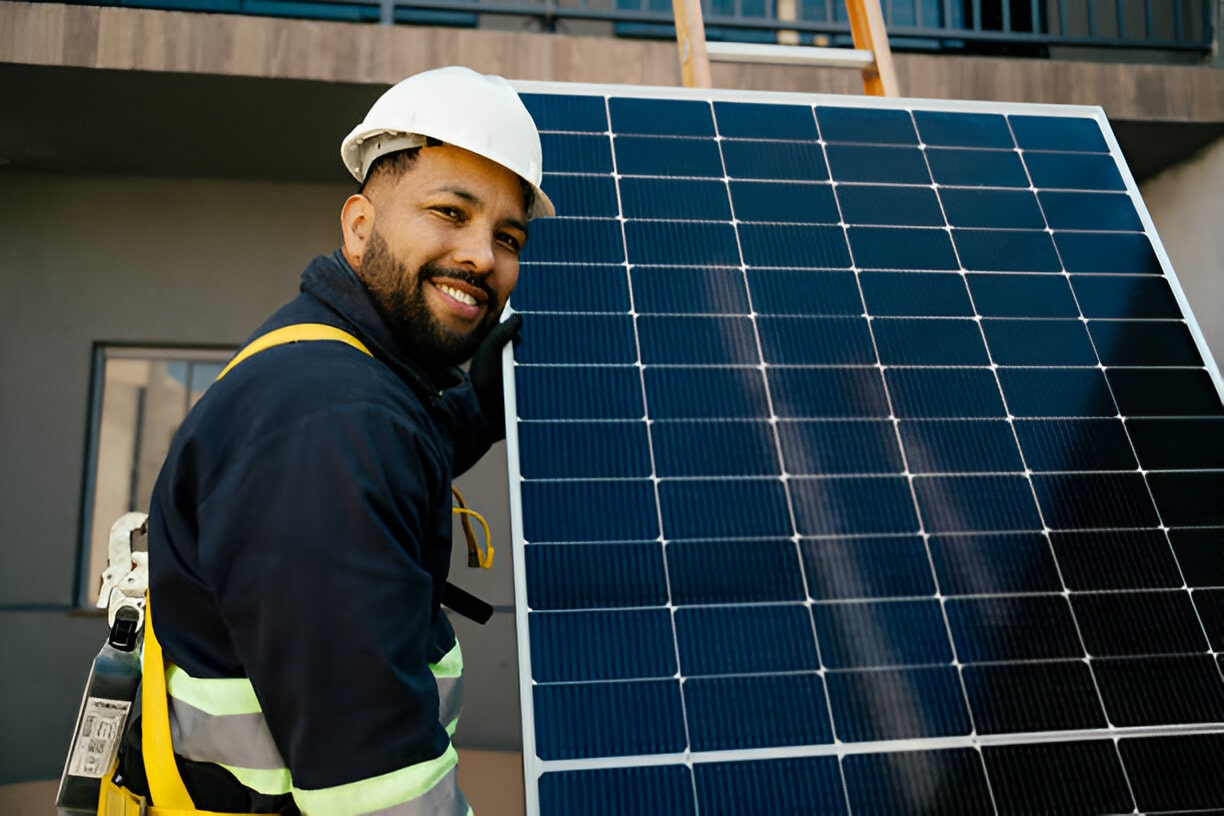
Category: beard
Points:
column 399, row 298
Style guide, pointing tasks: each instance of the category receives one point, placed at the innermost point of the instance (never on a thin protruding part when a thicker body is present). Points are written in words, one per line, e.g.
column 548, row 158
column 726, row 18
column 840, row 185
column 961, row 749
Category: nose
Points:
column 475, row 250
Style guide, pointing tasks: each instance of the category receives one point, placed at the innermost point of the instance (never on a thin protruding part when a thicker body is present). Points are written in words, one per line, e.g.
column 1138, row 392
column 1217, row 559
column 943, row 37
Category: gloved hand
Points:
column 486, row 372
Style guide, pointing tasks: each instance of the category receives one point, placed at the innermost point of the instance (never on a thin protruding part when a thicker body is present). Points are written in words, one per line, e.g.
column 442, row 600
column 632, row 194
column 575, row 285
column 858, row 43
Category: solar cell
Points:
column 863, row 460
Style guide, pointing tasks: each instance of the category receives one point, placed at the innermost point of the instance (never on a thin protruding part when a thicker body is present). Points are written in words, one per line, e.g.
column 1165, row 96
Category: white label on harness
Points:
column 97, row 744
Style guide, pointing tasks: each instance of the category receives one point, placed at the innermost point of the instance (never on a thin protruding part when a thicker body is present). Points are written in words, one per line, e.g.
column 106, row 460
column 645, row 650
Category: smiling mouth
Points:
column 457, row 294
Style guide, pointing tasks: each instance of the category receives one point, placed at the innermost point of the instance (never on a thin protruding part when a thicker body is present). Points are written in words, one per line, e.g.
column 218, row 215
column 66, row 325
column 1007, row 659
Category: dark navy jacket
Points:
column 300, row 535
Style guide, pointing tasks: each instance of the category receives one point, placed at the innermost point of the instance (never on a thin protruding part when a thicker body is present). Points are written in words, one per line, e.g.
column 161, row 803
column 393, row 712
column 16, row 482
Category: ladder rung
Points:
column 789, row 54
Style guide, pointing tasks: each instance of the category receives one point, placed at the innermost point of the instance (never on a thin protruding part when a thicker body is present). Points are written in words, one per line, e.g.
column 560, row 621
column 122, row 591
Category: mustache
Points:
column 430, row 271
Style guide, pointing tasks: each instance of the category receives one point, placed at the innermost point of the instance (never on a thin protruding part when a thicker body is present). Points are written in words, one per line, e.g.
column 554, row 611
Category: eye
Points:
column 448, row 212
column 510, row 241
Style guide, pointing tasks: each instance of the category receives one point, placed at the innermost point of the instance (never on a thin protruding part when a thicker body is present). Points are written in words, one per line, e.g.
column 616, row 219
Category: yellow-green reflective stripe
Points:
column 450, row 728
column 229, row 695
column 391, row 790
column 272, row 782
column 451, row 664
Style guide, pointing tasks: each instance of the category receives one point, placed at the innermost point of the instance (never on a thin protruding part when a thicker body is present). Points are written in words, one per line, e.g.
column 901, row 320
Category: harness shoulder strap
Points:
column 294, row 334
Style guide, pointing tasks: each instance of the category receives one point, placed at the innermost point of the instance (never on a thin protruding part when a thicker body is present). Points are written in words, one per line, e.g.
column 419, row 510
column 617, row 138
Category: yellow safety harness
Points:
column 165, row 784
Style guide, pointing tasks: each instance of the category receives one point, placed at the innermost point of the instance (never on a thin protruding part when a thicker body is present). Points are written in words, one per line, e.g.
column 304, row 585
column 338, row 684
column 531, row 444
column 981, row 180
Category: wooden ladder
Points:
column 870, row 54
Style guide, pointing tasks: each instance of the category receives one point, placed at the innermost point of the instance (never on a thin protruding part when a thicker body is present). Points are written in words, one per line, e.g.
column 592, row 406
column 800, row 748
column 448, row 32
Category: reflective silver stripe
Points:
column 450, row 698
column 231, row 739
column 425, row 789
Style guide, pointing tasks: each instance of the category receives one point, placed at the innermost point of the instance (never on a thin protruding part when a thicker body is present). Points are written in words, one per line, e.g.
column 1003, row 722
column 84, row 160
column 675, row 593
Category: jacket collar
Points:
column 330, row 279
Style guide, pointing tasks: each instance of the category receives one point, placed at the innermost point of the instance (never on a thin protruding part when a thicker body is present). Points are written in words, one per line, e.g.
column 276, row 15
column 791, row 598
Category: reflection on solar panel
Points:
column 865, row 463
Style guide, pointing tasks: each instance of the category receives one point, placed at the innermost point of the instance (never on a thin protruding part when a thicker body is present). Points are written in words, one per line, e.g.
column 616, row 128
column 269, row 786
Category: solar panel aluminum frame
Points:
column 535, row 767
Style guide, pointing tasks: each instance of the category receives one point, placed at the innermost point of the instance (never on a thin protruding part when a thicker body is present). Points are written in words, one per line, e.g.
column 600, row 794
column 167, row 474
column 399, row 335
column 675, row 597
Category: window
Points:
column 140, row 397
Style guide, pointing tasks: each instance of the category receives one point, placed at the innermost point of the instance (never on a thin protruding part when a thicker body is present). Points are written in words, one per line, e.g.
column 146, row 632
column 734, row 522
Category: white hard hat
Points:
column 460, row 107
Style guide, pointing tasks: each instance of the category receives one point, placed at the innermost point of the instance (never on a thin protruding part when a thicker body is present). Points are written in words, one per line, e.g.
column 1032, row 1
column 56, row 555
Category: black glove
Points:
column 486, row 372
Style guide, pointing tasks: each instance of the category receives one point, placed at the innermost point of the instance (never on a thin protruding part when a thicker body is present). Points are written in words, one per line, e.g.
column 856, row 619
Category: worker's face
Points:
column 442, row 257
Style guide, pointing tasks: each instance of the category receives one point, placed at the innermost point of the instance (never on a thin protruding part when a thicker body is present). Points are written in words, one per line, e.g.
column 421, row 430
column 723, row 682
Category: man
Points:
column 300, row 533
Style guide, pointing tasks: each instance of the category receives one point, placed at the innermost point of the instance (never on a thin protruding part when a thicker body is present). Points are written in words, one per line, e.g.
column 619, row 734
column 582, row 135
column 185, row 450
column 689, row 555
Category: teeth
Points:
column 462, row 297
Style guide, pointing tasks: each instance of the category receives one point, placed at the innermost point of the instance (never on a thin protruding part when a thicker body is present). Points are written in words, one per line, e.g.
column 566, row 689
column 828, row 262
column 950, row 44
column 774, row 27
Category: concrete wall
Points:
column 1185, row 202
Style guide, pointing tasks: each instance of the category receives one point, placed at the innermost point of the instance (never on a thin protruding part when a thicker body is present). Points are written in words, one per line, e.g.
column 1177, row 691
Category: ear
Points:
column 356, row 224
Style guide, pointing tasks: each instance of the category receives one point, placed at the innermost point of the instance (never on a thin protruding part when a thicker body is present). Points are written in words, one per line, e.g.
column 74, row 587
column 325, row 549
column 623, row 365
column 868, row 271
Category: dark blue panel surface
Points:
column 946, row 782
column 697, row 340
column 1020, row 697
column 568, row 239
column 865, row 204
column 918, row 294
column 794, row 203
column 1060, row 777
column 721, row 572
column 889, row 248
column 790, row 785
column 934, row 342
column 867, row 125
column 1035, row 627
column 589, row 511
column 687, row 199
column 725, row 393
column 804, row 292
column 889, row 633
column 881, row 165
column 963, row 129
column 1057, row 133
column 1169, row 392
column 812, row 393
column 1189, row 499
column 1090, row 211
column 1144, row 343
column 1138, row 623
column 557, row 288
column 746, row 120
column 574, row 113
column 1200, row 553
column 660, row 790
column 1094, row 500
column 817, row 448
column 588, row 576
column 566, row 392
column 1022, row 296
column 1053, row 392
column 1107, row 253
column 1075, row 444
column 1038, row 342
column 950, row 393
column 655, row 156
column 994, row 564
column 1121, row 296
column 784, row 161
column 960, row 446
column 681, row 290
column 723, row 509
column 1167, row 690
column 587, row 196
column 977, row 168
column 714, row 449
column 744, row 639
column 897, row 704
column 1177, row 773
column 613, row 645
column 794, row 246
column 815, row 341
column 727, row 713
column 1002, row 209
column 667, row 117
column 681, row 243
column 850, row 568
column 1068, row 171
column 617, row 719
column 576, row 153
column 847, row 506
column 583, row 339
column 967, row 504
column 1006, row 251
column 577, row 450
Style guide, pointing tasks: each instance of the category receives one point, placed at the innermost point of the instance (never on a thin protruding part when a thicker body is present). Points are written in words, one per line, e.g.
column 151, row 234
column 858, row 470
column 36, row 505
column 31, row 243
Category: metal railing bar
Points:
column 1035, row 14
column 947, row 12
column 1006, row 15
column 977, row 15
column 1179, row 25
column 1091, row 5
column 1120, row 5
column 1062, row 17
column 1149, row 22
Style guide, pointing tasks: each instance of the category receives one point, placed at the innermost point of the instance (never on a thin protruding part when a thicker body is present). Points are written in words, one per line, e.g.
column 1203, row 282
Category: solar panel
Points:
column 865, row 459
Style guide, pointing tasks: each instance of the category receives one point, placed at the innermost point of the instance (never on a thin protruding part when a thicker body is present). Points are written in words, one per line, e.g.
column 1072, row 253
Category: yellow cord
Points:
column 476, row 558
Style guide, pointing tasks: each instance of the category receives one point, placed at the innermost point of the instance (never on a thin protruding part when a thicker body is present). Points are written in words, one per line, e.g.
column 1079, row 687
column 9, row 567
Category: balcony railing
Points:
column 998, row 26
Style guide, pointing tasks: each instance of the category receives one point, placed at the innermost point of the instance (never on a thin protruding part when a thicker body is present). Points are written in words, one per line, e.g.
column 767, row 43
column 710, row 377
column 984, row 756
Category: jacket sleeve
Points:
column 474, row 432
column 317, row 550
